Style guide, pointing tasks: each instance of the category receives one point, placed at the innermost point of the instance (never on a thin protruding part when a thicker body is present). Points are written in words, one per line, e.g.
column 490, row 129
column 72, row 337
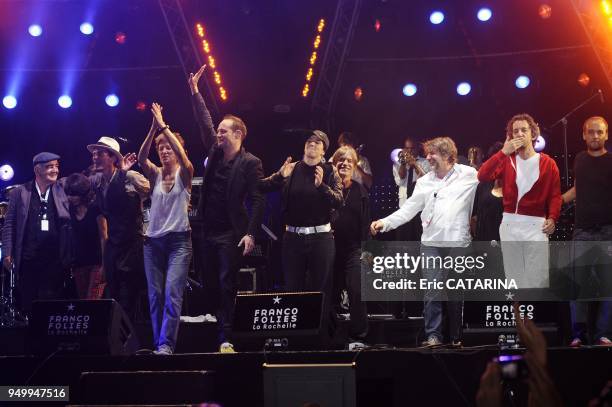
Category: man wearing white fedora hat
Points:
column 119, row 194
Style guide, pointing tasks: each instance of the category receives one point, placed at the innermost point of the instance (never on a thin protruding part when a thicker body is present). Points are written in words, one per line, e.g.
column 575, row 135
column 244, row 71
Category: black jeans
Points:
column 348, row 267
column 125, row 277
column 40, row 280
column 308, row 262
column 220, row 274
column 593, row 279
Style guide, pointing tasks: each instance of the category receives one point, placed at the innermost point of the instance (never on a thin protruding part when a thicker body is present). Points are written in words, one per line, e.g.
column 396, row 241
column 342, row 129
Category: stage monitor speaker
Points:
column 81, row 326
column 279, row 321
column 184, row 387
column 310, row 385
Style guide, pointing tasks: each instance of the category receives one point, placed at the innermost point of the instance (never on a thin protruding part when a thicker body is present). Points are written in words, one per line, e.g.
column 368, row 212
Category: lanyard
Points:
column 40, row 195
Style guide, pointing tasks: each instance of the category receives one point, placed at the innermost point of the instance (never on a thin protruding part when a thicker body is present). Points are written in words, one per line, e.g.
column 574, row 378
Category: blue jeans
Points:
column 591, row 263
column 433, row 300
column 166, row 261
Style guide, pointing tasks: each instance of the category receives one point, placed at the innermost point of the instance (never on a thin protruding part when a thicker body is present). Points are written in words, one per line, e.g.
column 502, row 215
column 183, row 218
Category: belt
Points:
column 308, row 230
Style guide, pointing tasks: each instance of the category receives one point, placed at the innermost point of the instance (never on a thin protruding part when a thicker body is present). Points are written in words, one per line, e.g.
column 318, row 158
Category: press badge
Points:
column 44, row 225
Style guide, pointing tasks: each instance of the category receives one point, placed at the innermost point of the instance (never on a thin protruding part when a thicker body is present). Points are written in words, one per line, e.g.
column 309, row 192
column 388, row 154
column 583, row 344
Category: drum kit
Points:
column 9, row 315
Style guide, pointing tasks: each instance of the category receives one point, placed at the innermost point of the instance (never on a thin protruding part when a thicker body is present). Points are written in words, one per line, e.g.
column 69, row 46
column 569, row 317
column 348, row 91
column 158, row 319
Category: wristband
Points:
column 160, row 131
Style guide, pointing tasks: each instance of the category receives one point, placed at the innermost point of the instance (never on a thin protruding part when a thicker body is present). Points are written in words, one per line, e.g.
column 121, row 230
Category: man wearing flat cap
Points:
column 33, row 233
column 311, row 189
column 119, row 194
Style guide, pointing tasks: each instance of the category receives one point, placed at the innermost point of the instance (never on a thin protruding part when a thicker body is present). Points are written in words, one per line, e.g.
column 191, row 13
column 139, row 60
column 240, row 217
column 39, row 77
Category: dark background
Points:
column 262, row 49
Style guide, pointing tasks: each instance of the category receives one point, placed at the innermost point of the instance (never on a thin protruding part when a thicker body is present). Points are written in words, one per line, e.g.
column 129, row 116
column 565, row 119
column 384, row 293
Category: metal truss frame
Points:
column 330, row 74
column 187, row 51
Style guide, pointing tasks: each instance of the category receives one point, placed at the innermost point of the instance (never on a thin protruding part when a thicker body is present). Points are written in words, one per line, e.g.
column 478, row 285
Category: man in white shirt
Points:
column 444, row 196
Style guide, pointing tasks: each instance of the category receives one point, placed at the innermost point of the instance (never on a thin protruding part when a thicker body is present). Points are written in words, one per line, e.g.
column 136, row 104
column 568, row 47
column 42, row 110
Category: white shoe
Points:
column 226, row 347
column 163, row 350
column 356, row 345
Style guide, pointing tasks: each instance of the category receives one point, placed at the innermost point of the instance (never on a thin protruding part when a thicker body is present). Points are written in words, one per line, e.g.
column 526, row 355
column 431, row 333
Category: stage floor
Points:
column 384, row 377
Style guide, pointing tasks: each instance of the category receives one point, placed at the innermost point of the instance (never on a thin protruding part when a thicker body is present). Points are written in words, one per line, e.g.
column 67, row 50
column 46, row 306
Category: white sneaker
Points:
column 163, row 350
column 226, row 347
column 356, row 345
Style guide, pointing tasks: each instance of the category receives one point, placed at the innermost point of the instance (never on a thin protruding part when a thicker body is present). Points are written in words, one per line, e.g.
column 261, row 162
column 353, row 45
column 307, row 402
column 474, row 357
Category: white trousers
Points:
column 525, row 250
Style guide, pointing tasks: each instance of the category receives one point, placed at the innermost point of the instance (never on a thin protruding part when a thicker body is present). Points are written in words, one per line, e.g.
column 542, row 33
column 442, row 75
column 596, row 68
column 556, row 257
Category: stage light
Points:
column 35, row 30
column 358, row 93
column 9, row 101
column 606, row 7
column 141, row 106
column 484, row 14
column 207, row 48
column 377, row 25
column 6, row 173
column 540, row 144
column 545, row 11
column 120, row 38
column 64, row 101
column 584, row 80
column 313, row 57
column 409, row 89
column 87, row 28
column 464, row 88
column 522, row 82
column 112, row 100
column 436, row 17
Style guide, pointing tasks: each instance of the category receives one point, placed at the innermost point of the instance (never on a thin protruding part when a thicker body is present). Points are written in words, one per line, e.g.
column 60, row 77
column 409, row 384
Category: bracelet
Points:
column 160, row 131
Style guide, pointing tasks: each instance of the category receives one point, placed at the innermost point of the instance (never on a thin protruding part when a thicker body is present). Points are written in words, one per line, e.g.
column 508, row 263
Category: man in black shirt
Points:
column 33, row 233
column 592, row 191
column 310, row 191
column 351, row 227
column 119, row 194
column 231, row 175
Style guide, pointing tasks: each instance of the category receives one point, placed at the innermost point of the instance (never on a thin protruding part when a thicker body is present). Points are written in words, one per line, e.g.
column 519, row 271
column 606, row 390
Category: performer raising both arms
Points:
column 167, row 246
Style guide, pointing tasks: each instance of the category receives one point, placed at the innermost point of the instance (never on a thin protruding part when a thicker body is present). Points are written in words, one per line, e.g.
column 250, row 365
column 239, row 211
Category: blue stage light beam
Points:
column 410, row 89
column 436, row 17
column 86, row 28
column 112, row 100
column 522, row 82
column 64, row 101
column 6, row 173
column 9, row 101
column 35, row 30
column 484, row 14
column 464, row 88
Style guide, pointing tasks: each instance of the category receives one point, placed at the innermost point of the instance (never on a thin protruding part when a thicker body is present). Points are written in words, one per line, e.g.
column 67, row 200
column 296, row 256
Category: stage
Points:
column 384, row 377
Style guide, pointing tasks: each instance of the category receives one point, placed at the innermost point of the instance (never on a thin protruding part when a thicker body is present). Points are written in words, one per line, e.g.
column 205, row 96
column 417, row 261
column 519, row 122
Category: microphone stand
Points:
column 563, row 122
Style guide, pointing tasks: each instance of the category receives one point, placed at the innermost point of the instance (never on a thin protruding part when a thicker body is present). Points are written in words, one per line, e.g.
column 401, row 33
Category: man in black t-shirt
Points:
column 592, row 192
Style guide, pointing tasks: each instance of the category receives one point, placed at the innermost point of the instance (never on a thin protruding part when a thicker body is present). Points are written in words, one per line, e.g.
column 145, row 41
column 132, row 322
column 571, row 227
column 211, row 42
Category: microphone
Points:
column 601, row 96
column 122, row 139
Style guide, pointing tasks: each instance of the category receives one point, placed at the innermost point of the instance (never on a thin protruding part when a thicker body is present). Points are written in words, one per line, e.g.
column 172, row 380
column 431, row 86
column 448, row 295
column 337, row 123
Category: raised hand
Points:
column 490, row 390
column 194, row 79
column 318, row 178
column 156, row 110
column 287, row 168
column 511, row 145
column 128, row 161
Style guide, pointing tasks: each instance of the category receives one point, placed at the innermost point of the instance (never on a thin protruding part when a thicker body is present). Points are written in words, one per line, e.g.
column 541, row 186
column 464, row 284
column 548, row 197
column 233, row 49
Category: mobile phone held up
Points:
column 512, row 367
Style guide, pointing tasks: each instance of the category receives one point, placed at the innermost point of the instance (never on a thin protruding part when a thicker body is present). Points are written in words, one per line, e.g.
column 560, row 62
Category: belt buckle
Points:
column 299, row 231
